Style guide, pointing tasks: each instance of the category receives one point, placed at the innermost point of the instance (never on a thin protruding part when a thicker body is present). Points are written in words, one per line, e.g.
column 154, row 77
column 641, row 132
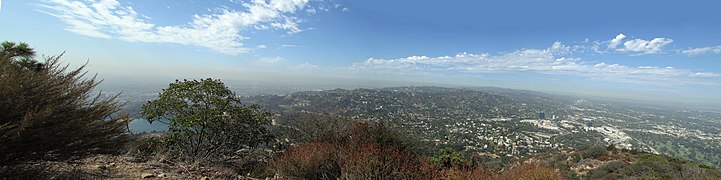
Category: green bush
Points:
column 610, row 170
column 448, row 158
column 595, row 152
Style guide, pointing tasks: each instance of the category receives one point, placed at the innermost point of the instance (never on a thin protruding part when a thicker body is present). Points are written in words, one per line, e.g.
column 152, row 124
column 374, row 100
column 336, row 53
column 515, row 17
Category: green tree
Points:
column 20, row 54
column 207, row 121
column 50, row 113
column 12, row 49
column 448, row 158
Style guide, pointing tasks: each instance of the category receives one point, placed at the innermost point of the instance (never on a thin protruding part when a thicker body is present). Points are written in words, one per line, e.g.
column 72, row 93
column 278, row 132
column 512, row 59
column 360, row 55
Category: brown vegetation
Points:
column 366, row 151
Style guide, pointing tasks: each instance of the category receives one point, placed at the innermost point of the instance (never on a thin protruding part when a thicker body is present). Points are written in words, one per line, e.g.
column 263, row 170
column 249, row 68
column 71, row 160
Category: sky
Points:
column 650, row 50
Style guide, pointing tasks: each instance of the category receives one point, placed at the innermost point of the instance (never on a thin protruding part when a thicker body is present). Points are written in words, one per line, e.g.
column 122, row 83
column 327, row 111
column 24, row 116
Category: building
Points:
column 541, row 115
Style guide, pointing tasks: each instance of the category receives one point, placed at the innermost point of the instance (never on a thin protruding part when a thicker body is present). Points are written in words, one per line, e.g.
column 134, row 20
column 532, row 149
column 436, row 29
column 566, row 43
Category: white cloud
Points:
column 547, row 61
column 616, row 41
column 644, row 46
column 219, row 32
column 271, row 60
column 703, row 50
column 262, row 46
column 306, row 66
column 704, row 74
column 639, row 46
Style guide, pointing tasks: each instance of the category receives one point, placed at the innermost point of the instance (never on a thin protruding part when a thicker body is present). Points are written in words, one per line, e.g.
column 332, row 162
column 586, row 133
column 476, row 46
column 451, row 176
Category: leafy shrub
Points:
column 447, row 158
column 610, row 170
column 48, row 112
column 595, row 152
column 207, row 121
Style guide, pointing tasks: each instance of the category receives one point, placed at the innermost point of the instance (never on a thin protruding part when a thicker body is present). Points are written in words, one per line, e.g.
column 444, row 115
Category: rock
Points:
column 101, row 167
column 162, row 175
column 204, row 178
column 147, row 175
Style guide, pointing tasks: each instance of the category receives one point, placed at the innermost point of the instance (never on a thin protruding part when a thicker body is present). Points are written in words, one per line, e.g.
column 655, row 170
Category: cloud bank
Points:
column 557, row 60
column 221, row 32
column 703, row 50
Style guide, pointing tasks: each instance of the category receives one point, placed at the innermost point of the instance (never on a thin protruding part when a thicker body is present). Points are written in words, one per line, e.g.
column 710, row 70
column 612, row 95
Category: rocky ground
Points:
column 118, row 167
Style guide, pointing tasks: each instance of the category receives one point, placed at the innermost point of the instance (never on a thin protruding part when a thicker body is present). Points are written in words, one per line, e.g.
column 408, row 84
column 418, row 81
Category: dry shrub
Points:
column 359, row 152
column 478, row 172
column 374, row 161
column 315, row 160
column 534, row 171
column 372, row 152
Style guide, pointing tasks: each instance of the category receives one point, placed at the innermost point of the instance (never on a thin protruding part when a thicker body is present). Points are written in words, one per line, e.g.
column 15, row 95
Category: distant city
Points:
column 501, row 125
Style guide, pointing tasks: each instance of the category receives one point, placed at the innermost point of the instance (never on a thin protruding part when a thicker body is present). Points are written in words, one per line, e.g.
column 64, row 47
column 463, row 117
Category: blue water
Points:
column 142, row 125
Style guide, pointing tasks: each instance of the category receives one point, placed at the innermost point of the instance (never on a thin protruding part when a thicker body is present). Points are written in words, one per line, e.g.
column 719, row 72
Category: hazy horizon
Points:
column 660, row 51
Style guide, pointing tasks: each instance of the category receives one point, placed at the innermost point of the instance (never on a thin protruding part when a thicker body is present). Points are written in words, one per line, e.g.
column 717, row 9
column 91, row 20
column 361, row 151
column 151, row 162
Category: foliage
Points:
column 610, row 170
column 595, row 152
column 477, row 172
column 207, row 121
column 447, row 158
column 50, row 112
column 625, row 164
column 365, row 151
column 21, row 54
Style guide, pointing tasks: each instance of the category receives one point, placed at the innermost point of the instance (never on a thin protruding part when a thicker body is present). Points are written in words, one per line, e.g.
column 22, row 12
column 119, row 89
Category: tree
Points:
column 207, row 121
column 20, row 54
column 12, row 49
column 50, row 112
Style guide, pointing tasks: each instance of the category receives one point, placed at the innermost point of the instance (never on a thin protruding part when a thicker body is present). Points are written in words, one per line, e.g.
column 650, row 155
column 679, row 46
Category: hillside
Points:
column 505, row 125
column 611, row 163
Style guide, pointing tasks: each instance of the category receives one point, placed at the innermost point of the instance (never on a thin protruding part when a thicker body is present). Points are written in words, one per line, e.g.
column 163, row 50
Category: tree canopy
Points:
column 207, row 120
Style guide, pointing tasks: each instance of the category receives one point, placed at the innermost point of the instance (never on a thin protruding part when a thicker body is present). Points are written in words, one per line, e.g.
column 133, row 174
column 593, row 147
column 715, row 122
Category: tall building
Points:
column 541, row 115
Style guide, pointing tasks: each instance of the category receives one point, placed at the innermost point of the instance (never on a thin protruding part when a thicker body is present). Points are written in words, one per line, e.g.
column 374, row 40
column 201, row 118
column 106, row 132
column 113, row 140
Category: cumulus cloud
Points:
column 639, row 46
column 616, row 41
column 552, row 60
column 644, row 46
column 220, row 32
column 703, row 50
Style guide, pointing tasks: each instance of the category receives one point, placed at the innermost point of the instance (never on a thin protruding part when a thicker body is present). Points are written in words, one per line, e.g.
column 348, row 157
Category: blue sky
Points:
column 658, row 50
